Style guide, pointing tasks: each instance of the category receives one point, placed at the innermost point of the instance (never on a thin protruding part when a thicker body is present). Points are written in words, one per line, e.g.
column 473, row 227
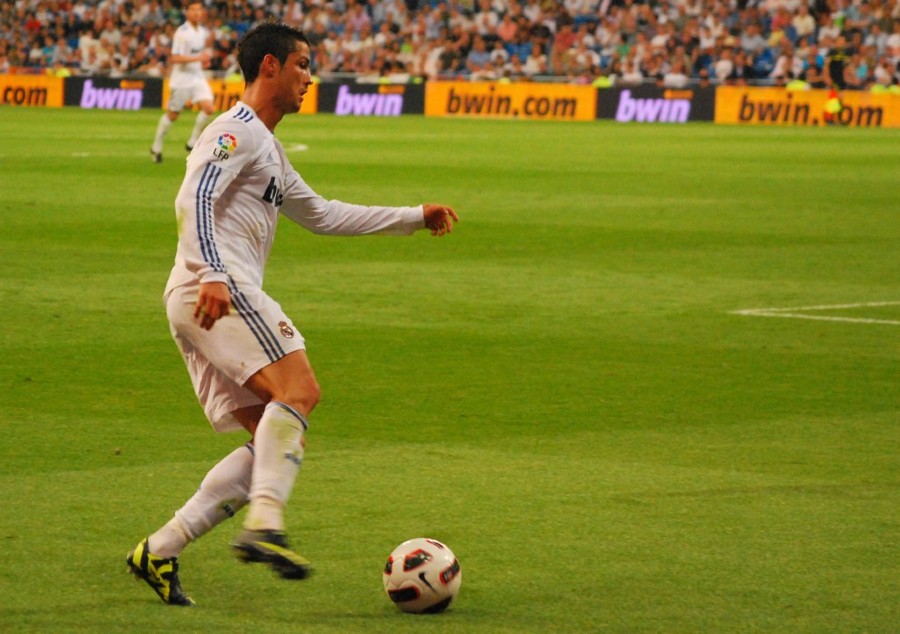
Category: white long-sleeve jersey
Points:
column 238, row 179
column 188, row 40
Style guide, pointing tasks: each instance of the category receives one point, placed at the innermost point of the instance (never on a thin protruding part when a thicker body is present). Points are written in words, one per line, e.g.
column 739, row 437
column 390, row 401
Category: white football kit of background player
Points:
column 187, row 83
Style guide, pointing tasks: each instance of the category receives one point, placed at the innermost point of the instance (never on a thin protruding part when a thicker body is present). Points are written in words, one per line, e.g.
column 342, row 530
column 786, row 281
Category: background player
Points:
column 246, row 359
column 187, row 82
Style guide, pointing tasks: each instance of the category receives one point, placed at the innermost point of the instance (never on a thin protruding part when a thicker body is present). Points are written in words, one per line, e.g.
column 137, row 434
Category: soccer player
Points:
column 190, row 55
column 245, row 357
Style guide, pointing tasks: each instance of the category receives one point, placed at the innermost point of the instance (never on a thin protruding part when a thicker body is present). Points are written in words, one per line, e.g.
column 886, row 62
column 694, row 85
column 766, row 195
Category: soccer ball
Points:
column 422, row 576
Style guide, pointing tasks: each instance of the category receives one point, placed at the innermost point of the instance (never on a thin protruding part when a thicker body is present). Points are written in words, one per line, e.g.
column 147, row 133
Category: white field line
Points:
column 800, row 312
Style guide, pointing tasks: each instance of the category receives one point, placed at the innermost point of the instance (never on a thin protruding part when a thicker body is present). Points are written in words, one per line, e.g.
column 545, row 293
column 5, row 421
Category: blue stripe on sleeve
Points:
column 205, row 217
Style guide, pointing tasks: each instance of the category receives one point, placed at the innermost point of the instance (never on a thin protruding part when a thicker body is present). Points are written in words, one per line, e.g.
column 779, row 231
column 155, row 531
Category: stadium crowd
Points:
column 851, row 44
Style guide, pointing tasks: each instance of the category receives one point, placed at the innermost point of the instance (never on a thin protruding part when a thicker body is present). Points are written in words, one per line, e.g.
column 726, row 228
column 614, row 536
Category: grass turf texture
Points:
column 559, row 390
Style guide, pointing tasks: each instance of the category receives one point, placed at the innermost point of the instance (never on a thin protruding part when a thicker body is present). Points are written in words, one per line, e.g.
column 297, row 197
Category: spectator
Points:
column 855, row 73
column 357, row 18
column 145, row 64
column 752, row 41
column 803, row 23
column 293, row 13
column 703, row 80
column 110, row 32
column 781, row 23
column 743, row 69
column 484, row 73
column 828, row 30
column 812, row 68
column 385, row 35
column 507, row 29
column 676, row 77
column 499, row 55
column 120, row 62
column 665, row 37
column 815, row 77
column 486, row 20
column 478, row 57
column 631, row 73
column 876, row 39
column 430, row 56
column 893, row 41
column 787, row 62
column 513, row 71
column 89, row 63
column 536, row 64
column 883, row 74
column 533, row 11
column 724, row 66
column 563, row 41
column 521, row 47
column 582, row 59
column 105, row 52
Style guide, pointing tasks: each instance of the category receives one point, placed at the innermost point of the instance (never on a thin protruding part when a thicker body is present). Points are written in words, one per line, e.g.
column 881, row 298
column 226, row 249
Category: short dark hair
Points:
column 269, row 38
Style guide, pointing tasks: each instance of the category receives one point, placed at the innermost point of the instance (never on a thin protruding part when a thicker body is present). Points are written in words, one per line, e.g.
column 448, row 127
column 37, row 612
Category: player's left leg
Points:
column 222, row 493
column 160, row 573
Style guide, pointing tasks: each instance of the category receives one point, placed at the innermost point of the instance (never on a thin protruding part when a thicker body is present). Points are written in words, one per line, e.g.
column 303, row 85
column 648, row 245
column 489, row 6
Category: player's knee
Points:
column 303, row 396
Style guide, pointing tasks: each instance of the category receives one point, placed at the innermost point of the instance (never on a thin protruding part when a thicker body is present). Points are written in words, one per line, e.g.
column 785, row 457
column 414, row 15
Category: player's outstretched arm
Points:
column 439, row 219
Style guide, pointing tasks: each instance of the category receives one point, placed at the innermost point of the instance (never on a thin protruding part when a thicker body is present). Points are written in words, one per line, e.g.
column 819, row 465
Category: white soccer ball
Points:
column 422, row 576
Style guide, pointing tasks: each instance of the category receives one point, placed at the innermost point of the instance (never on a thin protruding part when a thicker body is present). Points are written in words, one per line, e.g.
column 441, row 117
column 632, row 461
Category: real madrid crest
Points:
column 286, row 331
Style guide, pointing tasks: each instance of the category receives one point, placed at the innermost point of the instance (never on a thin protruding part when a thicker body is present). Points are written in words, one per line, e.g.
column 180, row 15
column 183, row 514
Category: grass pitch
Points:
column 562, row 390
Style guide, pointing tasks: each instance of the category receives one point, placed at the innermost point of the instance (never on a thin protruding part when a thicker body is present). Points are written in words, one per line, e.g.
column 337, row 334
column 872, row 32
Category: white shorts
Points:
column 199, row 91
column 254, row 334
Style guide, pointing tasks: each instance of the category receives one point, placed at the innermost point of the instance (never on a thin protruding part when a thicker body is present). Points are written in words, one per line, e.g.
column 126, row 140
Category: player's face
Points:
column 295, row 78
column 195, row 13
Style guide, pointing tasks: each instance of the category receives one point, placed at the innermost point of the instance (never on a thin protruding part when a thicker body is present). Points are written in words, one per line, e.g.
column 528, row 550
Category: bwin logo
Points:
column 367, row 104
column 110, row 98
column 273, row 194
column 652, row 110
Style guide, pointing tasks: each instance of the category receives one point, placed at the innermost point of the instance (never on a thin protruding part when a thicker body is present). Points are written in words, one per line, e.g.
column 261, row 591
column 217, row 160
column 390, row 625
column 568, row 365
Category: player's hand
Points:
column 439, row 219
column 213, row 303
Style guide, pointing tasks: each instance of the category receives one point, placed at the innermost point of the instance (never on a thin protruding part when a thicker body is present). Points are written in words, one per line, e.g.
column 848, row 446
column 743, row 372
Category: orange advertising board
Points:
column 777, row 106
column 227, row 93
column 525, row 100
column 38, row 91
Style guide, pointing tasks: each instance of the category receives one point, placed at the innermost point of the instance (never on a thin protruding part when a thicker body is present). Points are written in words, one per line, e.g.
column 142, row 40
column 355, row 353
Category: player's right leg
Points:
column 203, row 99
column 291, row 388
column 162, row 127
column 263, row 357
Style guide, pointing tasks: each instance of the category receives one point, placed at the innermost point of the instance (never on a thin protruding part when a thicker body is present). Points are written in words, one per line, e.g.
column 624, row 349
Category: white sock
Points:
column 278, row 445
column 161, row 128
column 222, row 493
column 199, row 124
